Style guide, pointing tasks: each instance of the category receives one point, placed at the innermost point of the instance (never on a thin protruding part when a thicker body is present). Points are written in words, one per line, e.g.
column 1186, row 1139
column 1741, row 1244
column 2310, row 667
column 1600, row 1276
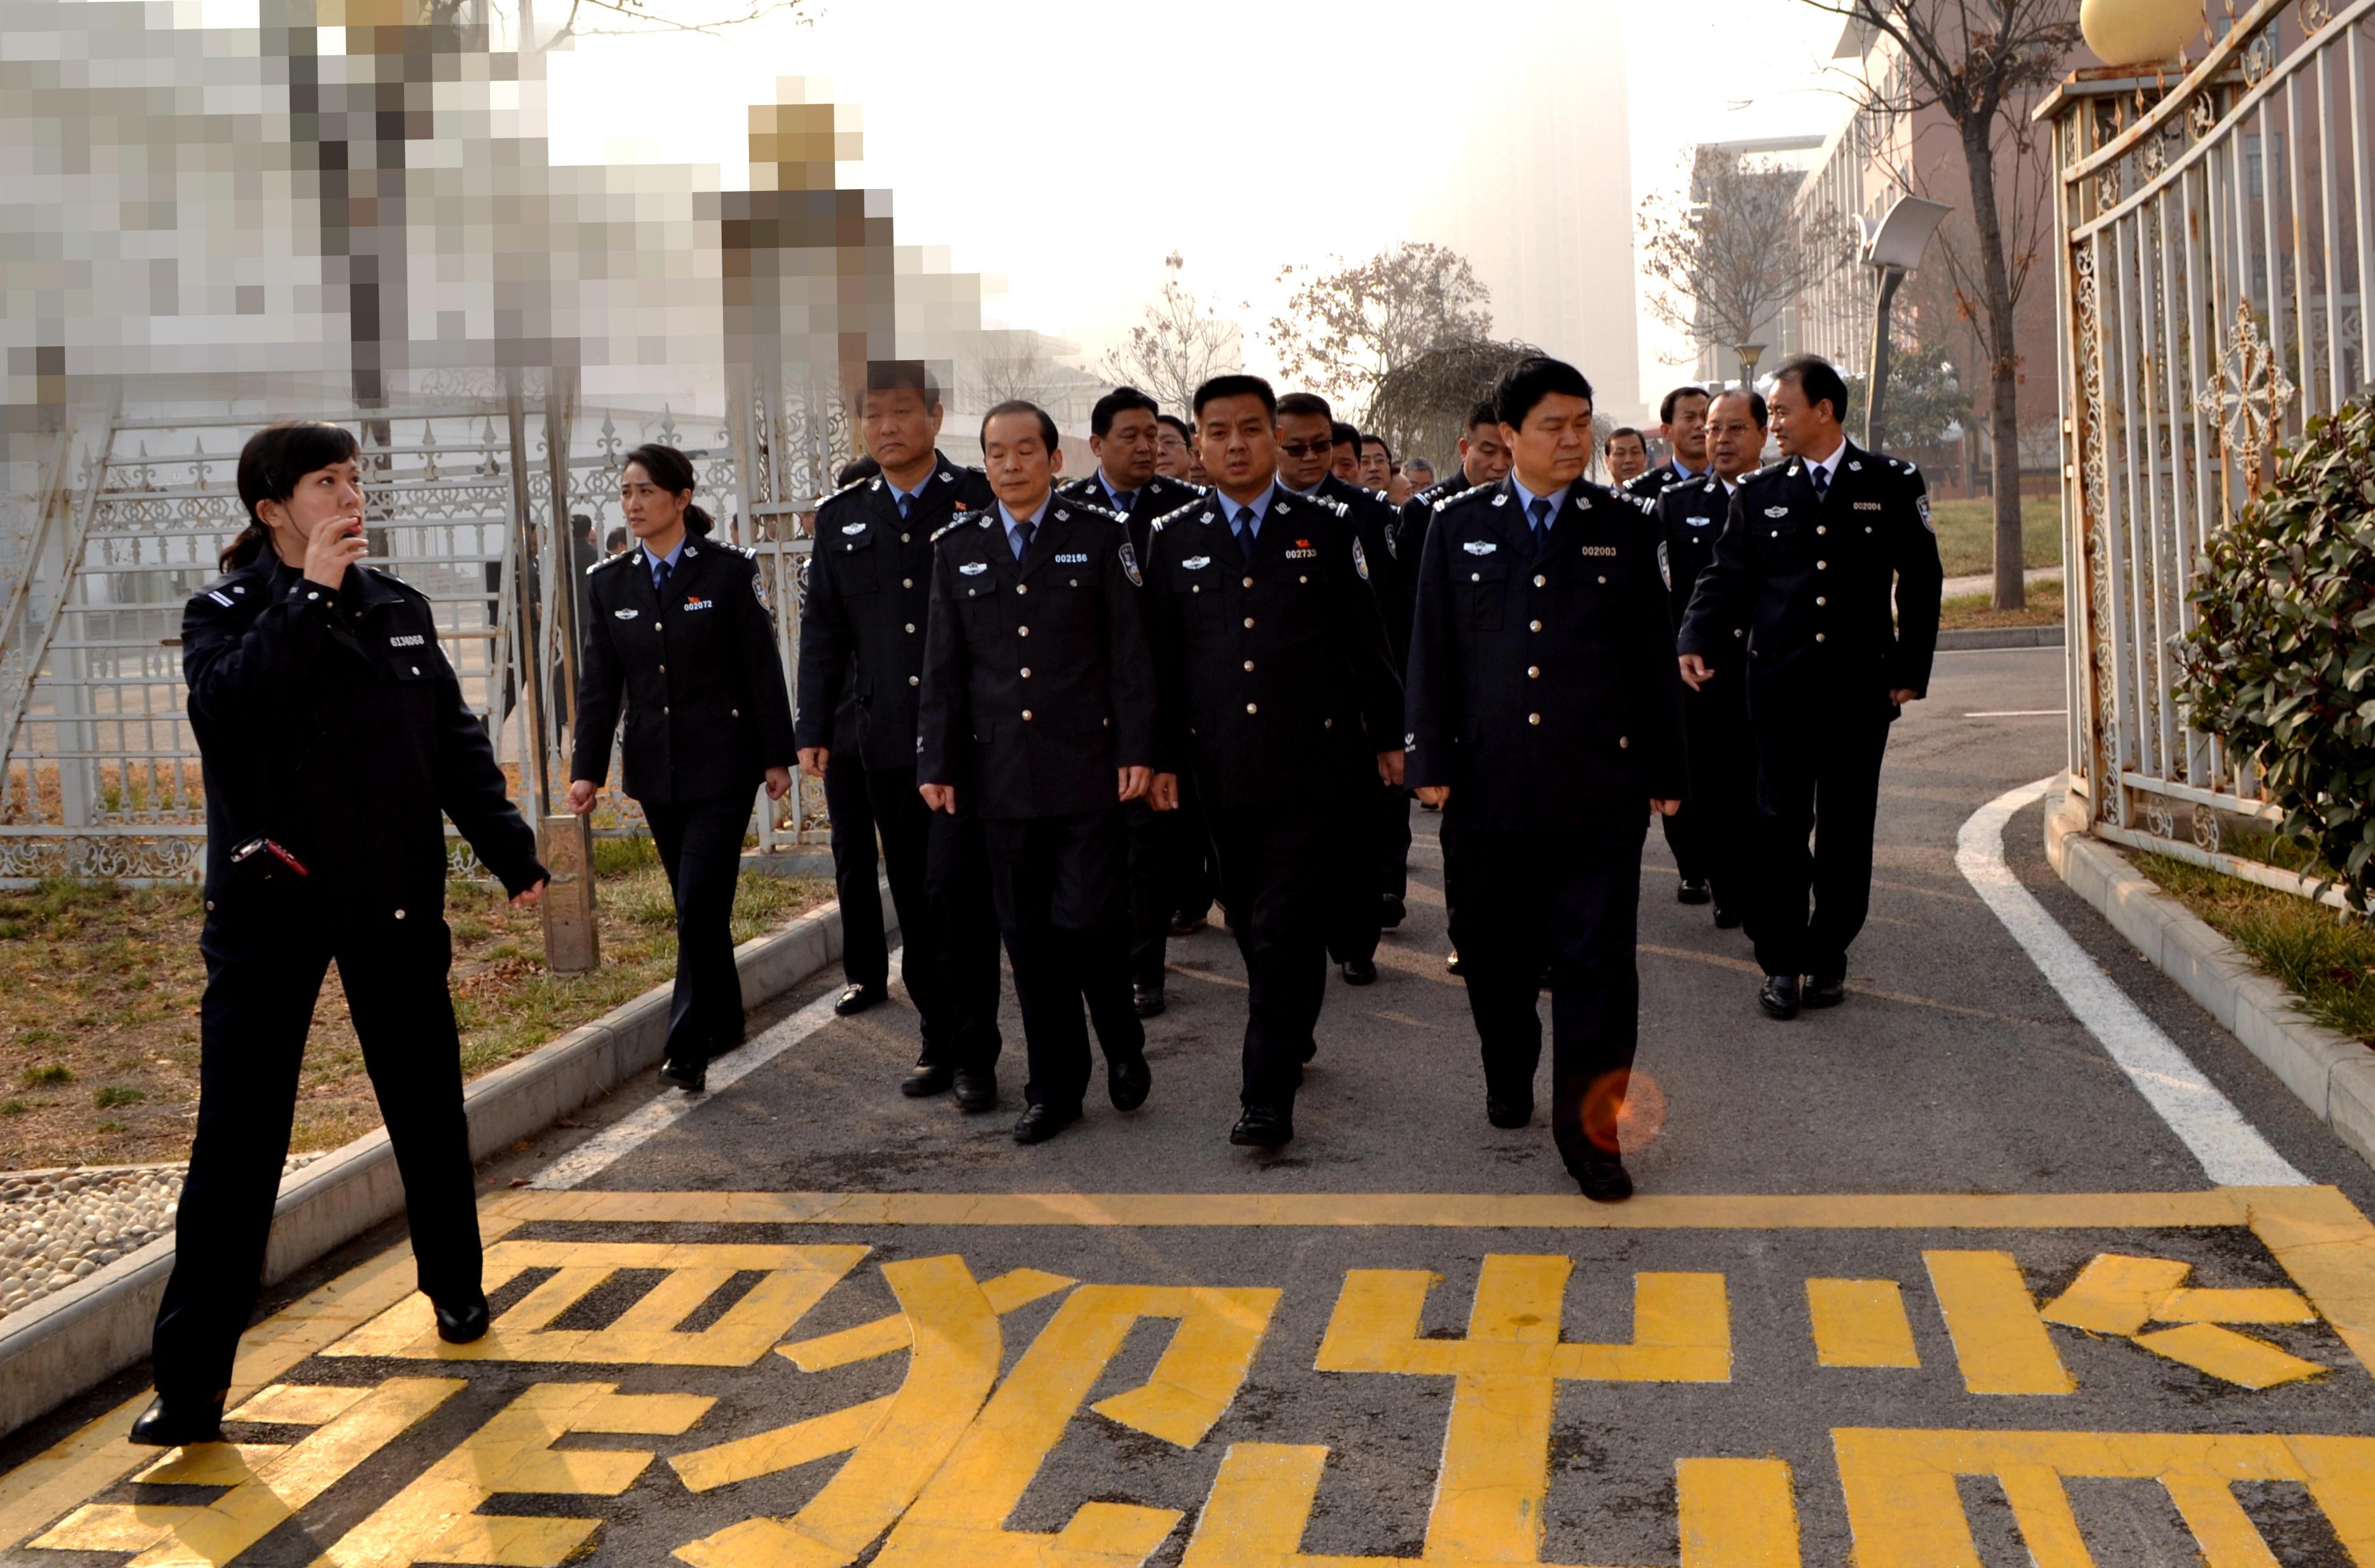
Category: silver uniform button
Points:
column 1819, row 528
column 1026, row 715
column 1533, row 626
column 1026, row 672
column 1476, row 577
column 1249, row 667
column 902, row 538
column 1623, row 742
column 1249, row 621
column 734, row 712
column 1533, row 718
column 1249, row 582
column 1023, row 587
column 399, row 914
column 1820, row 637
column 906, row 582
column 1820, row 601
column 1022, row 632
column 415, row 669
column 1822, row 566
column 1603, row 580
column 1533, row 672
column 1252, row 708
column 1540, row 581
column 312, row 595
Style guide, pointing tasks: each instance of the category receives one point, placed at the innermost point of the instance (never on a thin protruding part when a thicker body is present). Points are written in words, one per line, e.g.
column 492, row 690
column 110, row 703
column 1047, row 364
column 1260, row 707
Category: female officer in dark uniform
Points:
column 681, row 632
column 333, row 734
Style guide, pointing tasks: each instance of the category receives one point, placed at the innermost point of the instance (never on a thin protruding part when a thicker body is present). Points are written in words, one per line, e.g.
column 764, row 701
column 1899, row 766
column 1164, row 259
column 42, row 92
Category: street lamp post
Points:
column 1749, row 354
column 1891, row 247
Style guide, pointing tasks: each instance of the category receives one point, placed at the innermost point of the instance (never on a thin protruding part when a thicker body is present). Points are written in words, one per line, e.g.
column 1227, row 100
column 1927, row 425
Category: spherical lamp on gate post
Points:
column 2139, row 32
column 1891, row 247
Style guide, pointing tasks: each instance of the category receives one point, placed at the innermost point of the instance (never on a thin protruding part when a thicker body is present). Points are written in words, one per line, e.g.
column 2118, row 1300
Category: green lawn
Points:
column 2326, row 961
column 1966, row 531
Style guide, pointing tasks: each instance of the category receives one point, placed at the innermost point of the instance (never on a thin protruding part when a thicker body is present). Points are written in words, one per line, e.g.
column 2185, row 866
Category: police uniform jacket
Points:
column 1038, row 684
column 1379, row 527
column 1690, row 520
column 1544, row 690
column 707, row 711
column 864, row 602
column 1658, row 481
column 1158, row 496
column 1274, row 677
column 1418, row 512
column 331, row 723
column 1812, row 580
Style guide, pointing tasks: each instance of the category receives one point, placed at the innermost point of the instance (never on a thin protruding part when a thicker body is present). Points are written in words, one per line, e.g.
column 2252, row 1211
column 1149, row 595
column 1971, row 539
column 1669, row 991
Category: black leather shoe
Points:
column 463, row 1323
column 1604, row 1181
column 1261, row 1127
column 1392, row 913
column 1778, row 996
column 1451, row 962
column 1126, row 1081
column 1041, row 1123
column 1726, row 917
column 1508, row 1112
column 1361, row 971
column 856, row 999
column 1692, row 890
column 1186, row 924
column 1823, row 993
column 169, row 1423
column 926, row 1079
column 977, row 1091
column 691, row 1077
column 1146, row 1001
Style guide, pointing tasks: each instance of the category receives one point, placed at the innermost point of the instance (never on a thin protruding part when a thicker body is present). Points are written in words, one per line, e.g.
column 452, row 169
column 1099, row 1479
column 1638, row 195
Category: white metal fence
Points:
column 2215, row 235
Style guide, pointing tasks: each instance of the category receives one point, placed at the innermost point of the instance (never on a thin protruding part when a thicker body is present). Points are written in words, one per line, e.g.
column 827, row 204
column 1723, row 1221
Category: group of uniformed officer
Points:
column 1095, row 692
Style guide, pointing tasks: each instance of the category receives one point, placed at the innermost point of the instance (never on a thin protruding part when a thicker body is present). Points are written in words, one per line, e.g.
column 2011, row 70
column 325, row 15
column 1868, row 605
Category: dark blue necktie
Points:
column 662, row 569
column 906, row 501
column 1243, row 525
column 1023, row 532
column 1822, row 477
column 1538, row 515
column 1124, row 500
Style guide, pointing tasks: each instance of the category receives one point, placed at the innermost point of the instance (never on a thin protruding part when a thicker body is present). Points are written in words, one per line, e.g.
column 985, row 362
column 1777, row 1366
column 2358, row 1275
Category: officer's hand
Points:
column 938, row 798
column 779, row 781
column 1163, row 793
column 333, row 549
column 1390, row 768
column 1903, row 695
column 813, row 758
column 1434, row 795
column 1135, row 781
column 581, row 794
column 1696, row 673
column 1665, row 807
column 521, row 900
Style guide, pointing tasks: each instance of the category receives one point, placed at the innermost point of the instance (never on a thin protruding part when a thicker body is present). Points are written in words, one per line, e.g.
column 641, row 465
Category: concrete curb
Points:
column 2333, row 1074
column 62, row 1345
column 2000, row 637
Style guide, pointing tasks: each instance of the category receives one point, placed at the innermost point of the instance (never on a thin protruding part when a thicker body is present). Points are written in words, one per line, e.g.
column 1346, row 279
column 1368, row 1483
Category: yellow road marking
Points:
column 892, row 1332
column 435, row 1519
column 2116, row 1294
column 1860, row 1323
column 2000, row 1342
column 2235, row 1306
column 2222, row 1352
column 1736, row 1514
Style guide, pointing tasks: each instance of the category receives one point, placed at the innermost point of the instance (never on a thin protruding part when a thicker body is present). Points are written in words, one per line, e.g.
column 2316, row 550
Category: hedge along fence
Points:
column 2280, row 663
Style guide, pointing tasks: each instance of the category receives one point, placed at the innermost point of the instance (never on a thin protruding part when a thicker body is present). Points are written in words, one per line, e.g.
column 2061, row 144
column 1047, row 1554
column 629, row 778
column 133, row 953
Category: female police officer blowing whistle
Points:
column 333, row 734
column 681, row 632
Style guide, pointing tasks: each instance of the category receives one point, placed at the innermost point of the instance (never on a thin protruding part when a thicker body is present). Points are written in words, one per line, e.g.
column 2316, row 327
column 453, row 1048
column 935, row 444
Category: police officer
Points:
column 1683, row 412
column 681, row 635
column 1174, row 448
column 1273, row 673
column 1166, row 848
column 849, row 815
column 866, row 604
column 1627, row 455
column 333, row 735
column 1814, row 550
column 1039, row 702
column 1544, row 722
column 1372, row 843
column 1710, row 835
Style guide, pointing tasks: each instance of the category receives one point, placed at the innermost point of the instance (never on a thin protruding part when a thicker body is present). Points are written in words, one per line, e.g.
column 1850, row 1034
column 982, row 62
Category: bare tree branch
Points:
column 1344, row 331
column 1180, row 343
column 1726, row 251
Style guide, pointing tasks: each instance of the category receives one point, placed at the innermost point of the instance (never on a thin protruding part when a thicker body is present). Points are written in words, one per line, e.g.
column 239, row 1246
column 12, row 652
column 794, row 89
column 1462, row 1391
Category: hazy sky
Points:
column 1064, row 146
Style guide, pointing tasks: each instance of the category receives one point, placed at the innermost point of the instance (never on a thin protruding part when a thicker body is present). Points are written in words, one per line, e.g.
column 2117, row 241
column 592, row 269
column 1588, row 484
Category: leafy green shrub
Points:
column 2281, row 663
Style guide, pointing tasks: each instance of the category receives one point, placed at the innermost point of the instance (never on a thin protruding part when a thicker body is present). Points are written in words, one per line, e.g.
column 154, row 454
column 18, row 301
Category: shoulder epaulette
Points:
column 1461, row 495
column 950, row 527
column 1086, row 505
column 836, row 495
column 1176, row 513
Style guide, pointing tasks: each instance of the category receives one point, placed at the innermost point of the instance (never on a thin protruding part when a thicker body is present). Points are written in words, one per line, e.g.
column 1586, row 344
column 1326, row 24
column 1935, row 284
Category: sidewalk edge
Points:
column 2331, row 1074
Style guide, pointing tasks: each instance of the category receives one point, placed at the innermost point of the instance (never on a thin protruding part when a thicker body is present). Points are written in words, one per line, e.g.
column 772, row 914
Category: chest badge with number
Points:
column 699, row 604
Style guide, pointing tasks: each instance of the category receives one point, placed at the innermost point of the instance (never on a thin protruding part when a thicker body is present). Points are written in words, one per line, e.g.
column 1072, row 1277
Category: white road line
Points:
column 631, row 1132
column 2021, row 713
column 2230, row 1149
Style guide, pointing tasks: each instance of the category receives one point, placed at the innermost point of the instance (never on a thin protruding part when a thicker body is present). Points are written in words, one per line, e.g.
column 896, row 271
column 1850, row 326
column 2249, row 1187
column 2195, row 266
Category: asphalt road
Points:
column 1854, row 1275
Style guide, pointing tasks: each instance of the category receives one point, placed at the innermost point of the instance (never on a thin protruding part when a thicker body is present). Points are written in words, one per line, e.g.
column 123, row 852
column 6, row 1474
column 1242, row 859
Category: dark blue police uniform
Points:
column 1710, row 835
column 331, row 723
column 694, row 660
column 1544, row 693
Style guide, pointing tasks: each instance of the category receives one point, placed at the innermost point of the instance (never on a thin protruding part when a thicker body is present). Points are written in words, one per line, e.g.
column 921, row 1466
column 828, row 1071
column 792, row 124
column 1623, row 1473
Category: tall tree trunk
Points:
column 2004, row 364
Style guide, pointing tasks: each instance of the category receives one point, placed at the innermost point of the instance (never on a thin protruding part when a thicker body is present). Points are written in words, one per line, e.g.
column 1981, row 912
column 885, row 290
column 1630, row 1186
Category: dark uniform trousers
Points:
column 938, row 869
column 263, row 978
column 1351, row 840
column 1712, row 835
column 856, row 870
column 1275, row 881
column 1822, row 768
column 1567, row 901
column 699, row 842
column 1058, row 883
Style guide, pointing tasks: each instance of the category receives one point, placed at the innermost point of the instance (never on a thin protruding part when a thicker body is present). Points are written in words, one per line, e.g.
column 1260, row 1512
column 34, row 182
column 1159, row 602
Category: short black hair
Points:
column 1347, row 435
column 1819, row 380
column 616, row 540
column 672, row 471
column 856, row 468
column 1531, row 380
column 1483, row 414
column 1177, row 423
column 1235, row 385
column 1299, row 405
column 1621, row 431
column 581, row 527
column 903, row 375
column 1756, row 402
column 1115, row 403
column 1410, row 463
column 1047, row 431
column 1369, row 440
column 271, row 463
column 1666, row 404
